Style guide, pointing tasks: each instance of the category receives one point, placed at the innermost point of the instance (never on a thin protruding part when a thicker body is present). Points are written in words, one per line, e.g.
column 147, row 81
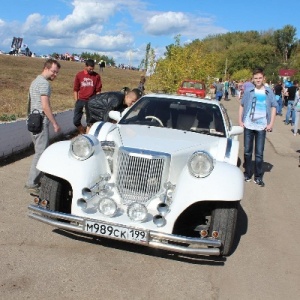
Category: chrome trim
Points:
column 140, row 174
column 155, row 239
column 228, row 148
column 100, row 125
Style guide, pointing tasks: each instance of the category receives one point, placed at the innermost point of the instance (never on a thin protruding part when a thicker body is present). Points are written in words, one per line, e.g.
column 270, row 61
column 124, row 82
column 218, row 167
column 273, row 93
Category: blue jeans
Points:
column 219, row 96
column 290, row 112
column 279, row 106
column 259, row 137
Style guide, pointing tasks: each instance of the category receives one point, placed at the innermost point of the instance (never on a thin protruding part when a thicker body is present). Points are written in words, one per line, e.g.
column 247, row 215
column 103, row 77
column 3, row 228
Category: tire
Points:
column 223, row 220
column 57, row 192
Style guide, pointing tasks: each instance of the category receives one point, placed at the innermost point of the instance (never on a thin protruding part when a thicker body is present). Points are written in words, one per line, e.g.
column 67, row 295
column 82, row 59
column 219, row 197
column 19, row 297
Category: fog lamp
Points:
column 137, row 212
column 108, row 207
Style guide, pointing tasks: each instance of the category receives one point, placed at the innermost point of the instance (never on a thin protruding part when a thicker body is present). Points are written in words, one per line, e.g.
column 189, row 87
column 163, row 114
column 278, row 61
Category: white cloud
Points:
column 166, row 23
column 33, row 24
column 116, row 27
column 86, row 14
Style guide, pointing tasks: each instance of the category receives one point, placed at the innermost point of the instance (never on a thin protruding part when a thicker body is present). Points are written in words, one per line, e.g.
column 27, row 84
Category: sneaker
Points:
column 247, row 179
column 259, row 182
column 33, row 189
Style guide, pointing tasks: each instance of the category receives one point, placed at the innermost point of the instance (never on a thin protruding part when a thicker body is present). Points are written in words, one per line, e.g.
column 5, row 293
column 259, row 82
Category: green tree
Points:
column 148, row 47
column 243, row 74
column 182, row 62
column 285, row 40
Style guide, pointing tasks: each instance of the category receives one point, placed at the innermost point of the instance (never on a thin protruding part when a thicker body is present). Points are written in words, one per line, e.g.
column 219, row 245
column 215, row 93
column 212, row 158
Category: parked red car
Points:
column 194, row 88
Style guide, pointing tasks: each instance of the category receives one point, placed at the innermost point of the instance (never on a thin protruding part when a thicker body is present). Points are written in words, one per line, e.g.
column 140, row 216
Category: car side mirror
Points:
column 115, row 115
column 236, row 130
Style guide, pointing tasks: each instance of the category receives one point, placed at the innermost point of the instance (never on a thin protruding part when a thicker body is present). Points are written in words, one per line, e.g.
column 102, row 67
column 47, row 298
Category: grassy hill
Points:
column 17, row 72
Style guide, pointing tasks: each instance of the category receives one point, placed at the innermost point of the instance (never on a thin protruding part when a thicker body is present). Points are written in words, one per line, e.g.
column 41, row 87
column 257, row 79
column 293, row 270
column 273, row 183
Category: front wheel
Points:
column 57, row 192
column 223, row 221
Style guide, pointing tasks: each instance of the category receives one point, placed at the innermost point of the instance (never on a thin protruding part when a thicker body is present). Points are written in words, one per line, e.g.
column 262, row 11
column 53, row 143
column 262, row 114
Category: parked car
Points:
column 194, row 88
column 163, row 175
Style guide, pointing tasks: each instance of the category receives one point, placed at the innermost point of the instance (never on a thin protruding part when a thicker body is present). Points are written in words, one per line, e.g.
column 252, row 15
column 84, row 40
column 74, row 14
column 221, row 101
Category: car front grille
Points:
column 140, row 174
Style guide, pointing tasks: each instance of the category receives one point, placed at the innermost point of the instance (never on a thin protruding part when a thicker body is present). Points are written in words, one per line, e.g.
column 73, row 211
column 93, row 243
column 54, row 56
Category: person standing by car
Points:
column 39, row 95
column 87, row 83
column 101, row 104
column 257, row 113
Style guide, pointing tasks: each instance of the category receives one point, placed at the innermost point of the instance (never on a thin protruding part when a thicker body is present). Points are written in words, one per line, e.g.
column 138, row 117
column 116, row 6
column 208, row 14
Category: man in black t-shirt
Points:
column 290, row 100
column 278, row 95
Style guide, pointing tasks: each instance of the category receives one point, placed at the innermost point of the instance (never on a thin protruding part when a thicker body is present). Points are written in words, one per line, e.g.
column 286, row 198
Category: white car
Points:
column 163, row 175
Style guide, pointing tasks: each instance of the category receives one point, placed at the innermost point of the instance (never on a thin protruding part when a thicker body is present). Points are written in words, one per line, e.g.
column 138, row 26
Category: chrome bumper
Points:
column 155, row 239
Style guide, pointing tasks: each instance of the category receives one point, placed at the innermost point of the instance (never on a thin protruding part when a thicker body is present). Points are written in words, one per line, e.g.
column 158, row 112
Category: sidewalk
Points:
column 281, row 138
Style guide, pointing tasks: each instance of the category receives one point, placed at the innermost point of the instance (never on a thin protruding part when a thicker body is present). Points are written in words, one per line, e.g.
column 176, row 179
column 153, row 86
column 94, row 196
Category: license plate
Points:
column 191, row 94
column 117, row 232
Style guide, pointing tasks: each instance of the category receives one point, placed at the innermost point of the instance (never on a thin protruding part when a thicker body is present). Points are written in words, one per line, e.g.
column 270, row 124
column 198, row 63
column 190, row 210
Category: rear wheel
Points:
column 223, row 221
column 57, row 192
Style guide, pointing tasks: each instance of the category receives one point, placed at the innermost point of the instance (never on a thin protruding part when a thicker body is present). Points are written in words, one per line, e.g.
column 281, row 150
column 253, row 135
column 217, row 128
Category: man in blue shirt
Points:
column 257, row 115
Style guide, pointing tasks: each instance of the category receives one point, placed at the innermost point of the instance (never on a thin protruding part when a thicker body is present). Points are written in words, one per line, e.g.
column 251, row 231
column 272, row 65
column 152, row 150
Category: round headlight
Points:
column 82, row 147
column 137, row 212
column 108, row 207
column 200, row 164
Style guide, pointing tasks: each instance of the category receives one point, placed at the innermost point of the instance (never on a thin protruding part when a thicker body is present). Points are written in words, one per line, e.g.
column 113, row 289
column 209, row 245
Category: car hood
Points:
column 172, row 141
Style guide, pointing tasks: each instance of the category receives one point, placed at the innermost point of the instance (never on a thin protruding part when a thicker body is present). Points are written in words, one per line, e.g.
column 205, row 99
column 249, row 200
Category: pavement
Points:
column 281, row 138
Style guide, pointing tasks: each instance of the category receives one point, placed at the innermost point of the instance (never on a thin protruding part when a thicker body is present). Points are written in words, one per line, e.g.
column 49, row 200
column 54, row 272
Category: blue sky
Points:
column 122, row 28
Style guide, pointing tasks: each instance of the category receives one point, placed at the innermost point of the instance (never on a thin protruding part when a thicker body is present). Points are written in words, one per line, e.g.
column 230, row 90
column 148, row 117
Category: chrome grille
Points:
column 140, row 175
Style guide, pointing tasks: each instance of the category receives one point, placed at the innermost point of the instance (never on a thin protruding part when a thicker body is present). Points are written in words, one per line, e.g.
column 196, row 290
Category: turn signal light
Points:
column 203, row 233
column 44, row 203
column 215, row 234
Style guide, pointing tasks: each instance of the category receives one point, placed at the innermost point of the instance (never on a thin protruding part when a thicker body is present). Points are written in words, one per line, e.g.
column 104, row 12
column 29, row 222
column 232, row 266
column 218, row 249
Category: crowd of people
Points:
column 88, row 98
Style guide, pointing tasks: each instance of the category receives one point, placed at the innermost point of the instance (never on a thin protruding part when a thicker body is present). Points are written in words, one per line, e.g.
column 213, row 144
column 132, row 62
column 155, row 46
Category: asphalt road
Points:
column 40, row 262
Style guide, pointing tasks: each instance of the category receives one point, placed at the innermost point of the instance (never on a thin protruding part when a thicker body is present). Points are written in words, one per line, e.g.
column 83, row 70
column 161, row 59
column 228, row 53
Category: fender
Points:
column 232, row 151
column 100, row 130
column 57, row 160
column 226, row 183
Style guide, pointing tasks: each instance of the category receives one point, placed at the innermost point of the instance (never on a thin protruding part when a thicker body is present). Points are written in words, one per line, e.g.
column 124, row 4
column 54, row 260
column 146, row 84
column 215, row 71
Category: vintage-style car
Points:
column 163, row 175
column 194, row 88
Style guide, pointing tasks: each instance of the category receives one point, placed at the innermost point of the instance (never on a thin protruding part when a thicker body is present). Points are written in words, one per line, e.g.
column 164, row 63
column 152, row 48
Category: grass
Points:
column 18, row 72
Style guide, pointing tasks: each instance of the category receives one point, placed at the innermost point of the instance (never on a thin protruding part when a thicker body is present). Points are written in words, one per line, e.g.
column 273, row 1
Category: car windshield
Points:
column 177, row 114
column 192, row 85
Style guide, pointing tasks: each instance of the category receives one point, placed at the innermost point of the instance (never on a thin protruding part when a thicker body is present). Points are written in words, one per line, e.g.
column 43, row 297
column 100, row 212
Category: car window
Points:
column 198, row 86
column 186, row 84
column 177, row 114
